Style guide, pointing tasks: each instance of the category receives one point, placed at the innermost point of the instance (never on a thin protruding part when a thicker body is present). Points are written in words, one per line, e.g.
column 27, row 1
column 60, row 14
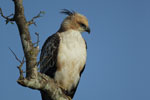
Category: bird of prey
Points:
column 63, row 55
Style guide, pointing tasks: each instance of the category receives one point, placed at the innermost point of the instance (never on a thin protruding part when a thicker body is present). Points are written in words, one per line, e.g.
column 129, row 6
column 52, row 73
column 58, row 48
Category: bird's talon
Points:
column 69, row 98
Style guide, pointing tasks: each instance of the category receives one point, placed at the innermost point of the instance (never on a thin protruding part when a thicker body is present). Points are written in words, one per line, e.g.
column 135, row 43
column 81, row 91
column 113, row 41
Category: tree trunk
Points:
column 33, row 79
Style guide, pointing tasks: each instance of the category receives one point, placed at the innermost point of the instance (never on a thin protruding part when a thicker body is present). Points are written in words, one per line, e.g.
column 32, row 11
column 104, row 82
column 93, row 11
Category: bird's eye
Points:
column 82, row 25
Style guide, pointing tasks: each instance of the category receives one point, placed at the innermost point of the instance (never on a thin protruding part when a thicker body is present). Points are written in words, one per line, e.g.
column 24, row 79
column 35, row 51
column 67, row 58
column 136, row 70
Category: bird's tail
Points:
column 45, row 96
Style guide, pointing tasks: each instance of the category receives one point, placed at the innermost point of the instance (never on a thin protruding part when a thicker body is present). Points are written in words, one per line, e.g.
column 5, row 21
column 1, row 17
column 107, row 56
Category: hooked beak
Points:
column 88, row 30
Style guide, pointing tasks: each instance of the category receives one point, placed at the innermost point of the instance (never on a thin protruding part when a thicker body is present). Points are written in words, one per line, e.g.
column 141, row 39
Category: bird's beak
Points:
column 88, row 30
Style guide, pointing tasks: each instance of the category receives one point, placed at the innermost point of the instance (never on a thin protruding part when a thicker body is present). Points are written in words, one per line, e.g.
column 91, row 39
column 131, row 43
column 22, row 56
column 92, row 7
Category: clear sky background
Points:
column 118, row 62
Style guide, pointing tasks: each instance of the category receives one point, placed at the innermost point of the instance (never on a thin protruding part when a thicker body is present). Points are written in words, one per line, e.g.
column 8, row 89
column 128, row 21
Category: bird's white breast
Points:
column 71, row 59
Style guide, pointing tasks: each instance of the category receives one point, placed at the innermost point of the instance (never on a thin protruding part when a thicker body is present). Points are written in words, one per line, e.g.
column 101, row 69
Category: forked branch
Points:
column 7, row 18
column 35, row 17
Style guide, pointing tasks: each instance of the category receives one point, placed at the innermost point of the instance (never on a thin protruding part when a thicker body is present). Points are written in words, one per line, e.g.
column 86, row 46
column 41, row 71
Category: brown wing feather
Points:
column 48, row 57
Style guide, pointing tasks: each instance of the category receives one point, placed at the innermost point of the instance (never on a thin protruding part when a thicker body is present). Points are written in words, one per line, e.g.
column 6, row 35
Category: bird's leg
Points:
column 60, row 86
column 65, row 92
column 69, row 98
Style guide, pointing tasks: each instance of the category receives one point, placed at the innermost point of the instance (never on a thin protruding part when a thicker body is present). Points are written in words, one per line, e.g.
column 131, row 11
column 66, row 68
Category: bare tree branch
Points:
column 33, row 79
column 8, row 19
column 21, row 77
column 15, row 55
column 35, row 17
column 20, row 66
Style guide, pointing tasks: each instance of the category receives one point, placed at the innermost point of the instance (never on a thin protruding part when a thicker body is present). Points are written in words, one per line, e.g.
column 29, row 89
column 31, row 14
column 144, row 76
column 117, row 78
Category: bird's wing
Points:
column 48, row 57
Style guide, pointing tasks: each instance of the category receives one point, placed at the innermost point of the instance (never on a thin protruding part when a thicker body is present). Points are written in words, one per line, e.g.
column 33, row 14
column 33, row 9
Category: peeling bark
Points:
column 33, row 79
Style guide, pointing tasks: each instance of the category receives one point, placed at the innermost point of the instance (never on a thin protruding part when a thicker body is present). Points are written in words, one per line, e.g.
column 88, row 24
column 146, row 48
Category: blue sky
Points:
column 118, row 62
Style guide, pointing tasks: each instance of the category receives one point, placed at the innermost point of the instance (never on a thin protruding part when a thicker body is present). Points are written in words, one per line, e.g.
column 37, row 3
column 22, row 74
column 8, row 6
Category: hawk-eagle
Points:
column 63, row 55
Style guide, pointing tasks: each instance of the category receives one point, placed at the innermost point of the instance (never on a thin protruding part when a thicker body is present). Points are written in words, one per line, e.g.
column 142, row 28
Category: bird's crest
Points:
column 68, row 12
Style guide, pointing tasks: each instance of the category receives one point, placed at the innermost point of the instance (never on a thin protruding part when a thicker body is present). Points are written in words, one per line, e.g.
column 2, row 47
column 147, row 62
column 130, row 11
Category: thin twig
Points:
column 15, row 56
column 35, row 17
column 38, row 40
column 21, row 64
column 7, row 17
column 20, row 69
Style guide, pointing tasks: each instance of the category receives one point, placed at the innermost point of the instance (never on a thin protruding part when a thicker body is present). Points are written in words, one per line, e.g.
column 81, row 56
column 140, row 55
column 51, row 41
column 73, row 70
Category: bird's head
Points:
column 74, row 21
